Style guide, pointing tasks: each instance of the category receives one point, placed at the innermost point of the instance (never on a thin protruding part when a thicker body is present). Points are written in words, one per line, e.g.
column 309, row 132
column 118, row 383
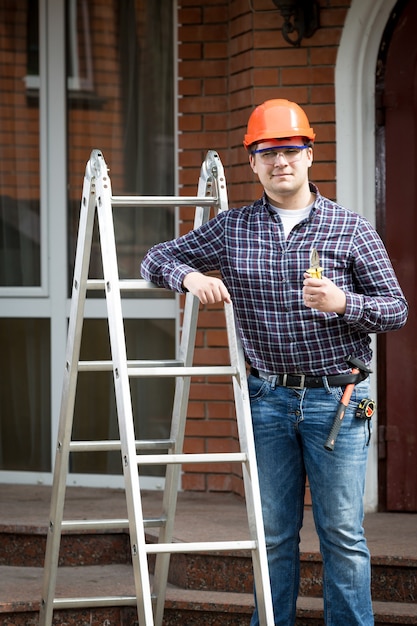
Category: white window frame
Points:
column 51, row 299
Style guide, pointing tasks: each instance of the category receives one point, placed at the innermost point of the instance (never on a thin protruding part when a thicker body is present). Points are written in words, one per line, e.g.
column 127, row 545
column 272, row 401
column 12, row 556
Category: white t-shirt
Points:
column 291, row 217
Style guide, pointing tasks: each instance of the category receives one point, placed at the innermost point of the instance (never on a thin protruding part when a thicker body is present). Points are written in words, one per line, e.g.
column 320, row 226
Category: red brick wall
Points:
column 19, row 123
column 232, row 58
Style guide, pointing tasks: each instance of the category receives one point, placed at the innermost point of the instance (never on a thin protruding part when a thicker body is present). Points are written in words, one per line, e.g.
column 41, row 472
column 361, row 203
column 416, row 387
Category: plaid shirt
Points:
column 263, row 272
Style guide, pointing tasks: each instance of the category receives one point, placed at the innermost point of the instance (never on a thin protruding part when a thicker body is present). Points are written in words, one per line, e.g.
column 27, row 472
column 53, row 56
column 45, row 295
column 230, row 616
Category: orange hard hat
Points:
column 276, row 119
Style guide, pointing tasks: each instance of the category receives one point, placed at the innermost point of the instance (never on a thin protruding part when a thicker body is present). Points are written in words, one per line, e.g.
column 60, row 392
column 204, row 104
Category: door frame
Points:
column 355, row 144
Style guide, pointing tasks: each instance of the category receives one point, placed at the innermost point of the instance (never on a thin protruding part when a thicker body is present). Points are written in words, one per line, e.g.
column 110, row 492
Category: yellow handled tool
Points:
column 315, row 270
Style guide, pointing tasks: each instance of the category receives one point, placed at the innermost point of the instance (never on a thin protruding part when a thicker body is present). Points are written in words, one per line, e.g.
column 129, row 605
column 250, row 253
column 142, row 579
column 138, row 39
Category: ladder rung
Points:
column 84, row 366
column 132, row 284
column 109, row 524
column 67, row 603
column 193, row 370
column 168, row 459
column 107, row 445
column 148, row 201
column 95, row 524
column 200, row 546
column 163, row 368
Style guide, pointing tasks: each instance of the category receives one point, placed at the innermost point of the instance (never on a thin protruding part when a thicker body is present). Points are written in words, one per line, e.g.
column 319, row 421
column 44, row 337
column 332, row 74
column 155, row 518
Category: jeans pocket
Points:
column 258, row 388
column 360, row 391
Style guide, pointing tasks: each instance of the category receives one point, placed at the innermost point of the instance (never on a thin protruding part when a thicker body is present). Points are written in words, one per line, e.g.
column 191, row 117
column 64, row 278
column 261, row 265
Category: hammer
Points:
column 357, row 367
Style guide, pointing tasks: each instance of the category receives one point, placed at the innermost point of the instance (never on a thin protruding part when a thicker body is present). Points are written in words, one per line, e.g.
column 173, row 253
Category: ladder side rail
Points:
column 247, row 445
column 123, row 397
column 206, row 188
column 82, row 261
column 250, row 474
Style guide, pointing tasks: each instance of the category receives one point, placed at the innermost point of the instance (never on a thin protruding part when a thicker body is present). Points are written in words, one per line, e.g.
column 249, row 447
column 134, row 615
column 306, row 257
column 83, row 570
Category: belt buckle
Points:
column 302, row 378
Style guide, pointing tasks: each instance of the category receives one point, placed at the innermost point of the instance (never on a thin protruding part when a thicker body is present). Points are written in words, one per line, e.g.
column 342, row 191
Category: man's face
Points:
column 282, row 174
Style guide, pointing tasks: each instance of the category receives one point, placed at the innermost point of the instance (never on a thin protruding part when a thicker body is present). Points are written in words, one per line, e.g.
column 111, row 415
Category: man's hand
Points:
column 208, row 289
column 322, row 294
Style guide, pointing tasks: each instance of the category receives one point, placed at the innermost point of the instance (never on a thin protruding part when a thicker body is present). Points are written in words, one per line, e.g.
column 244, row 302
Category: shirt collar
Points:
column 313, row 188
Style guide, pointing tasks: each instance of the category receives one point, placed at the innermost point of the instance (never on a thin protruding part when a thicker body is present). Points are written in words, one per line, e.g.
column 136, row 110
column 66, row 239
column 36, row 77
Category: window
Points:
column 131, row 120
column 120, row 98
column 20, row 219
column 78, row 46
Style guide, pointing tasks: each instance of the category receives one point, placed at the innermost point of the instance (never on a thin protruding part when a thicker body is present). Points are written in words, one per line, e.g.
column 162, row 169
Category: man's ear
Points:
column 310, row 156
column 252, row 163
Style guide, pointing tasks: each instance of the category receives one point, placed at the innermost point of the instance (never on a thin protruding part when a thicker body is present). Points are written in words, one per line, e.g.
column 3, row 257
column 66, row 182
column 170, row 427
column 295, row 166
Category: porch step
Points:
column 197, row 581
column 394, row 579
column 183, row 606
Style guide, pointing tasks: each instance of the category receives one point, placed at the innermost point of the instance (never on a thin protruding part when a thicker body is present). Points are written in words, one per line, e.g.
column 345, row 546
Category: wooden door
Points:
column 397, row 364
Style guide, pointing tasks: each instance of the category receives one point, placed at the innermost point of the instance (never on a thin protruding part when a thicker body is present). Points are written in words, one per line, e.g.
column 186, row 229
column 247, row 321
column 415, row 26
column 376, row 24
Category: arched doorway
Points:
column 396, row 161
column 357, row 164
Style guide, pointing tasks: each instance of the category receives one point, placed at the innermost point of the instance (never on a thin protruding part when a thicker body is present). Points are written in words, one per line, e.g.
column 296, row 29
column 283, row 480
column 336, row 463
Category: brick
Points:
column 242, row 43
column 190, row 50
column 220, row 482
column 194, row 482
column 190, row 123
column 265, row 76
column 323, row 94
column 217, row 338
column 241, row 24
column 280, row 58
column 222, row 445
column 215, row 50
column 323, row 56
column 196, row 409
column 297, row 93
column 326, row 37
column 241, row 62
column 216, row 14
column 217, row 428
column 190, row 15
column 202, row 32
column 193, row 68
column 328, row 189
column 221, row 410
column 313, row 75
column 215, row 86
column 215, row 122
column 325, row 152
column 211, row 319
column 325, row 171
column 333, row 17
column 210, row 391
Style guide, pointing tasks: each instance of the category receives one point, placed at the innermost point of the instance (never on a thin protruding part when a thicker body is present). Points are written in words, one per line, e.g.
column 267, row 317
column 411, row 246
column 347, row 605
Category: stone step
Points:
column 196, row 593
column 394, row 579
column 192, row 607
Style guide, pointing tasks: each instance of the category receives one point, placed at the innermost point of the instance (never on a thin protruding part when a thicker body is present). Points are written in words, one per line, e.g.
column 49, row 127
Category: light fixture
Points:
column 300, row 17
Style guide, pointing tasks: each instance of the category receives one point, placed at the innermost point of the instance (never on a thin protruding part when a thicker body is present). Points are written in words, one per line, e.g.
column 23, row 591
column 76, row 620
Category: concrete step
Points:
column 394, row 579
column 197, row 582
column 183, row 606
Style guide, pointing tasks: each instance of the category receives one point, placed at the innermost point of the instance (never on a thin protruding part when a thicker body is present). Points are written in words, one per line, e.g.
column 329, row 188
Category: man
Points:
column 297, row 332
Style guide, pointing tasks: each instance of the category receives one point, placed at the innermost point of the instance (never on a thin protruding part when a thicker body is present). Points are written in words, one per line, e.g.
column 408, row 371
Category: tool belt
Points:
column 301, row 381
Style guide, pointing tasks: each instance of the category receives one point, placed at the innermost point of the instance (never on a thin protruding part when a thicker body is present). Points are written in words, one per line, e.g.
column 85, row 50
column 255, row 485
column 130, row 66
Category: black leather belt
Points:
column 300, row 381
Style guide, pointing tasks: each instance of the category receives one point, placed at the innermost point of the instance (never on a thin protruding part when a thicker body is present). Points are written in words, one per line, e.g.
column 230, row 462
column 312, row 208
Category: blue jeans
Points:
column 290, row 428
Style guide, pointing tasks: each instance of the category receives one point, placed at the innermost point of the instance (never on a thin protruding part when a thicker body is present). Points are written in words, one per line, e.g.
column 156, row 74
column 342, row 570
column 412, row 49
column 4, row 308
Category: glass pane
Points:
column 95, row 416
column 120, row 101
column 25, row 412
column 19, row 147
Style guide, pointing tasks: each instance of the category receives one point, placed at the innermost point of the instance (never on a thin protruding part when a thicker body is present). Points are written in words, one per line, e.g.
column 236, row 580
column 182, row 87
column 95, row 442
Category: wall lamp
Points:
column 300, row 17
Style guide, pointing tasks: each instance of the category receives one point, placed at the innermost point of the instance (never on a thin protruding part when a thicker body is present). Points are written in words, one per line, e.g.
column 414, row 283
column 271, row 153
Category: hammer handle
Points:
column 340, row 414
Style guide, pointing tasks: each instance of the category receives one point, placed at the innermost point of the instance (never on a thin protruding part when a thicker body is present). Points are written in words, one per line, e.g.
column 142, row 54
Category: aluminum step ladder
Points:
column 98, row 203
